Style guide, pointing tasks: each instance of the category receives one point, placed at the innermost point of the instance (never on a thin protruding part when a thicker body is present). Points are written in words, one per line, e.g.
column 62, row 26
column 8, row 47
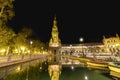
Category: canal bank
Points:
column 17, row 61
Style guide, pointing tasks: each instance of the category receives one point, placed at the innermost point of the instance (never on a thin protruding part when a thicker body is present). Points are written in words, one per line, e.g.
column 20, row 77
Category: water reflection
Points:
column 24, row 71
column 54, row 71
column 37, row 70
column 27, row 72
column 86, row 78
column 83, row 73
column 115, row 75
column 72, row 67
column 95, row 67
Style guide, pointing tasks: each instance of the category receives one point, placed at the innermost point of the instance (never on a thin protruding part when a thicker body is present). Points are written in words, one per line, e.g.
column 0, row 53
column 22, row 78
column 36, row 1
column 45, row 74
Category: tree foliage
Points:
column 6, row 34
column 21, row 39
column 6, row 10
column 27, row 32
column 38, row 45
column 6, row 13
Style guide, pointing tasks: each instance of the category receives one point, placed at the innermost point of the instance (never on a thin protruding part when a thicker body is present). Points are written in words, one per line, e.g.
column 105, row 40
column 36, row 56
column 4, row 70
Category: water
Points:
column 82, row 73
column 37, row 70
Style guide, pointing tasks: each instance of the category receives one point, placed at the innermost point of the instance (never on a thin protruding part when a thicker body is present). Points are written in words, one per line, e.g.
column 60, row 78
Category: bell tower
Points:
column 55, row 42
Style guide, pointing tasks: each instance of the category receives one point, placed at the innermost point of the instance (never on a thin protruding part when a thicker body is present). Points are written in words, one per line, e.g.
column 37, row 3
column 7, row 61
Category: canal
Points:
column 38, row 70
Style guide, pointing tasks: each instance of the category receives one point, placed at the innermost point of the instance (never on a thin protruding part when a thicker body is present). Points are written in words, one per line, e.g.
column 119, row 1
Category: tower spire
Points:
column 55, row 21
column 55, row 41
column 55, row 17
column 117, row 35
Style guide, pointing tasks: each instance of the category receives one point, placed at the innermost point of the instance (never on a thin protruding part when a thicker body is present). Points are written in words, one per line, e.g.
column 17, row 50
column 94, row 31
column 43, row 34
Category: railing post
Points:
column 9, row 58
column 22, row 56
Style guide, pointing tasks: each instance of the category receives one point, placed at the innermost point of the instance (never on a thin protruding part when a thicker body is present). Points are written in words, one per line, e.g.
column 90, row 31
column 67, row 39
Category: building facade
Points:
column 108, row 46
column 112, row 44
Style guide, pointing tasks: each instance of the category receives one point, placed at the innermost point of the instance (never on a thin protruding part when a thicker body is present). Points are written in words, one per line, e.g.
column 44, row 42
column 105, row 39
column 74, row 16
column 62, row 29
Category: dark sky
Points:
column 90, row 20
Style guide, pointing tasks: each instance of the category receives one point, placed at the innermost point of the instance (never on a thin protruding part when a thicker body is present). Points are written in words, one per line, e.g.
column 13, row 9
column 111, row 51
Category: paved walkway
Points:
column 9, row 63
column 13, row 62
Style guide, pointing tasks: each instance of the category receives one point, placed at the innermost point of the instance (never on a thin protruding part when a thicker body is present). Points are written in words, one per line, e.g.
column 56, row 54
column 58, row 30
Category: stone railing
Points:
column 11, row 58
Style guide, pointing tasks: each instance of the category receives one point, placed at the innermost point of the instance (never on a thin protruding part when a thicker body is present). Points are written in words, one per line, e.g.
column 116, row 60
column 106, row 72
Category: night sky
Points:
column 90, row 20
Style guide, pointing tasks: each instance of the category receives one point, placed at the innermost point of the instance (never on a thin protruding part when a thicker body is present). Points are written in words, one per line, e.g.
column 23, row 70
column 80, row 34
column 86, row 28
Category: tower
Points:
column 55, row 42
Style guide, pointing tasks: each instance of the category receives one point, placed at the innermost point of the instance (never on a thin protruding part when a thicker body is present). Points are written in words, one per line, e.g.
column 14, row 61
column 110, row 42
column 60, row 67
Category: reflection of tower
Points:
column 54, row 71
column 55, row 42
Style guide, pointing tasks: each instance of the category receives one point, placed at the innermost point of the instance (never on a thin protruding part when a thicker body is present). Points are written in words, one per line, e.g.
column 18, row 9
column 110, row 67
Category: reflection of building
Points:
column 115, row 74
column 54, row 71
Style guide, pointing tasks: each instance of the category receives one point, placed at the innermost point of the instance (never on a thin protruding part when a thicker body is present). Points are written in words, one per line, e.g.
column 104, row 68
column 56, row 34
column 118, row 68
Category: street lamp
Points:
column 31, row 42
column 42, row 50
column 81, row 40
column 23, row 49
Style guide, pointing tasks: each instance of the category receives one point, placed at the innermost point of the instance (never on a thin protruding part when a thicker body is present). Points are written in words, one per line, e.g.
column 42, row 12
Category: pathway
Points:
column 17, row 61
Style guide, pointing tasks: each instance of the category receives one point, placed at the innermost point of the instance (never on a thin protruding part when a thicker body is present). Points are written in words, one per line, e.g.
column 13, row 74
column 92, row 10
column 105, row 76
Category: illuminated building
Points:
column 54, row 46
column 55, row 42
column 108, row 46
column 112, row 44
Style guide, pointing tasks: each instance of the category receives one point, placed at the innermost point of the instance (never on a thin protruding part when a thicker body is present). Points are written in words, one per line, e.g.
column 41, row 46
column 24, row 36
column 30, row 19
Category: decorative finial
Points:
column 55, row 21
column 117, row 35
column 55, row 17
column 103, row 37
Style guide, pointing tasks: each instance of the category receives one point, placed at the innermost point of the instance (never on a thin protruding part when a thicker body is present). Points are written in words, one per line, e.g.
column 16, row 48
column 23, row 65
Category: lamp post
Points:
column 42, row 50
column 81, row 40
column 42, row 54
column 31, row 42
column 23, row 49
column 70, row 50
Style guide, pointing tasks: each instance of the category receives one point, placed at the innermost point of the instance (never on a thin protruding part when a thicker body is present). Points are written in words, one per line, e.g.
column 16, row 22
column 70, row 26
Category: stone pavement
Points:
column 9, row 63
column 15, row 62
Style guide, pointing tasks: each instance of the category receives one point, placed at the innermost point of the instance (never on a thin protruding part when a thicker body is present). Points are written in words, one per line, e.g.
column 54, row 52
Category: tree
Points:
column 37, row 46
column 21, row 39
column 6, row 10
column 6, row 35
column 6, row 13
column 27, row 32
